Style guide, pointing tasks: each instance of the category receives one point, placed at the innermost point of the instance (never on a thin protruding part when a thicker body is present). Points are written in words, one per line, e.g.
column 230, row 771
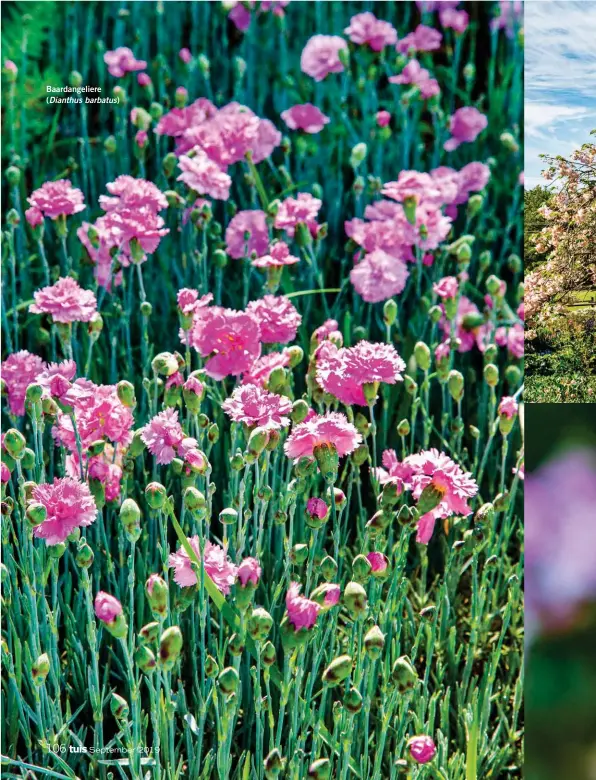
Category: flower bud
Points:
column 491, row 375
column 126, row 394
column 485, row 515
column 228, row 680
column 157, row 595
column 422, row 749
column 501, row 502
column 156, row 495
column 422, row 355
column 355, row 598
column 165, row 364
column 358, row 155
column 274, row 764
column 430, row 498
column 14, row 443
column 36, row 514
column 320, row 769
column 149, row 633
column 327, row 461
column 119, row 707
column 299, row 554
column 361, row 568
column 145, row 659
column 338, row 670
column 300, row 410
column 389, row 312
column 493, row 285
column 404, row 674
column 268, row 654
column 258, row 440
column 455, row 384
column 211, row 667
column 40, row 669
column 259, row 624
column 374, row 642
column 236, row 645
column 170, row 646
column 84, row 556
column 130, row 516
column 352, row 701
column 370, row 391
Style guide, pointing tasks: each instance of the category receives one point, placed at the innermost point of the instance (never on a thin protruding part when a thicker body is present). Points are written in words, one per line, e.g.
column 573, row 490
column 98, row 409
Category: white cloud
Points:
column 539, row 116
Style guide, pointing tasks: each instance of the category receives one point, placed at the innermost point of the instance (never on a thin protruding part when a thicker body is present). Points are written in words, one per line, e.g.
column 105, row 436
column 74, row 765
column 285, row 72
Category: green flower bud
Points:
column 14, row 443
column 28, row 459
column 170, row 647
column 257, row 440
column 361, row 568
column 34, row 393
column 329, row 568
column 84, row 556
column 164, row 364
column 338, row 670
column 380, row 521
column 513, row 375
column 157, row 595
column 327, row 461
column 430, row 498
column 268, row 654
column 422, row 355
column 374, row 642
column 475, row 204
column 410, row 385
column 355, row 598
column 145, row 659
column 296, row 355
column 213, row 433
column 389, row 312
column 149, row 633
column 404, row 674
column 435, row 314
column 228, row 680
column 126, row 394
column 259, row 624
column 130, row 516
column 485, row 515
column 156, row 495
column 119, row 707
column 40, row 669
column 370, row 392
column 320, row 769
column 236, row 645
column 13, row 176
column 358, row 155
column 455, row 384
column 493, row 285
column 36, row 514
column 211, row 667
column 274, row 764
column 299, row 554
column 491, row 375
column 352, row 701
column 300, row 410
column 501, row 502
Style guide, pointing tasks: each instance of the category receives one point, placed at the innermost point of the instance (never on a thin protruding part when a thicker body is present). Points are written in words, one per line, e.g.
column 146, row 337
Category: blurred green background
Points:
column 561, row 670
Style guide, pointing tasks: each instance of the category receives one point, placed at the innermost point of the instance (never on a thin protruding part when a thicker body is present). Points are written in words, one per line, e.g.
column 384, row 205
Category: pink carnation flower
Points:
column 422, row 39
column 19, row 370
column 121, row 61
column 231, row 339
column 107, row 607
column 252, row 223
column 446, row 287
column 465, row 126
column 251, row 405
column 512, row 338
column 101, row 467
column 4, row 472
column 249, row 571
column 468, row 332
column 508, row 407
column 217, row 565
column 316, row 507
column 302, row 612
column 293, row 211
column 413, row 186
column 320, row 56
column 365, row 28
column 69, row 505
column 279, row 255
column 379, row 276
column 378, row 561
column 177, row 121
column 305, row 117
column 278, row 318
column 456, row 20
column 202, row 175
column 185, row 55
column 331, row 428
column 57, row 199
column 126, row 191
column 34, row 216
column 383, row 118
column 430, row 468
column 143, row 80
column 422, row 749
column 414, row 73
column 65, row 301
column 344, row 372
column 262, row 368
column 162, row 435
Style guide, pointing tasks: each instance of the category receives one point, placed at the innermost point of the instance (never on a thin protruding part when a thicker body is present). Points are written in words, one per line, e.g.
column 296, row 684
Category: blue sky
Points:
column 560, row 79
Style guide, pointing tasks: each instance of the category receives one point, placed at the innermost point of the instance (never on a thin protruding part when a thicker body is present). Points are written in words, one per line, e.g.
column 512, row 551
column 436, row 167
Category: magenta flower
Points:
column 456, row 20
column 107, row 608
column 180, row 120
column 185, row 55
column 413, row 186
column 316, row 507
column 414, row 73
column 465, row 126
column 422, row 749
column 469, row 333
column 379, row 276
column 422, row 39
column 4, row 472
column 278, row 318
column 383, row 118
column 202, row 175
column 344, row 372
column 19, row 370
column 34, row 217
column 331, row 428
column 365, row 28
column 69, row 505
column 128, row 192
column 512, row 338
column 217, row 565
column 162, row 435
column 262, row 368
column 65, row 302
column 251, row 405
column 279, row 255
column 231, row 340
column 306, row 117
column 303, row 209
column 56, row 199
column 101, row 467
column 122, row 61
column 247, row 233
column 320, row 56
column 508, row 406
column 447, row 287
column 249, row 571
column 144, row 80
column 332, row 594
column 378, row 562
column 302, row 612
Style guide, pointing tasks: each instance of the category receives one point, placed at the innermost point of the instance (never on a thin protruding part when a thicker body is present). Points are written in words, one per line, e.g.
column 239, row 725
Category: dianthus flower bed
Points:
column 262, row 459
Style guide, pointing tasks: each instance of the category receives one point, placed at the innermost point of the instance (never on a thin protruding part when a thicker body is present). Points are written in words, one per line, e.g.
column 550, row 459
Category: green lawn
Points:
column 572, row 388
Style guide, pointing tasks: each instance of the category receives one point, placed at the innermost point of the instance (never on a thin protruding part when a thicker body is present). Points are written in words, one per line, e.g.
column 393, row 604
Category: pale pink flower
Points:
column 279, row 255
column 465, row 126
column 230, row 338
column 178, row 120
column 366, row 28
column 468, row 330
column 240, row 15
column 473, row 177
column 320, row 56
column 306, row 117
column 302, row 612
column 19, row 370
column 107, row 607
column 126, row 191
column 422, row 39
column 379, row 276
column 325, row 330
column 249, row 570
column 383, row 118
column 142, row 225
column 185, row 55
column 143, row 80
column 192, row 385
column 69, row 505
column 446, row 287
column 512, row 338
column 414, row 73
column 202, row 175
column 217, row 565
column 262, row 368
column 34, row 216
column 414, row 186
column 121, row 61
column 508, row 406
column 57, row 199
column 344, row 372
column 378, row 561
column 332, row 594
column 251, row 223
column 162, row 435
column 65, row 301
column 278, row 318
column 331, row 428
column 422, row 749
column 252, row 405
column 302, row 209
column 456, row 20
column 510, row 17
